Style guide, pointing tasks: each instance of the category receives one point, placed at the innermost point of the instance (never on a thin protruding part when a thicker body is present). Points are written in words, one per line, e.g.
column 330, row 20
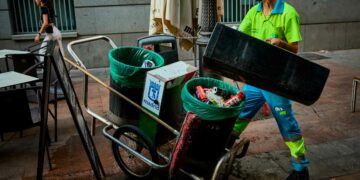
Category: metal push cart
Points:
column 130, row 144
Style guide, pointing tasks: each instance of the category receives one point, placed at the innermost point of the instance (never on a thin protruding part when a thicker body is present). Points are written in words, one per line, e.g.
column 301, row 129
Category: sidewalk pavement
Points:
column 331, row 132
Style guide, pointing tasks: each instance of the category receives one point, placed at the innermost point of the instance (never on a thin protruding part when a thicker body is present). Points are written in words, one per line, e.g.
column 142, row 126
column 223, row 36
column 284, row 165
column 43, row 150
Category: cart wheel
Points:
column 135, row 139
column 224, row 165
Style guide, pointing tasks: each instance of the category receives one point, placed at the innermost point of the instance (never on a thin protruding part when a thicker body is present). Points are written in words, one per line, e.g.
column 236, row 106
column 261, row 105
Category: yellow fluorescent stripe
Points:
column 240, row 126
column 297, row 148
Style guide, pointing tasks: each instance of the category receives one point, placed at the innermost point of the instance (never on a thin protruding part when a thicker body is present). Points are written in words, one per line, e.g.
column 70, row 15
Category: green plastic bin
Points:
column 128, row 77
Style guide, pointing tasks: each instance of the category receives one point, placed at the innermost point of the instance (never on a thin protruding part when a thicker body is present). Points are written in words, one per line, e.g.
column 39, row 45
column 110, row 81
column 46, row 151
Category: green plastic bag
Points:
column 208, row 111
column 125, row 65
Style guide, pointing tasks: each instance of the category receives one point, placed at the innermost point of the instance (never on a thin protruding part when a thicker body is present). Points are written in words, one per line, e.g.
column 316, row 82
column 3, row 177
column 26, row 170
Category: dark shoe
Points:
column 299, row 175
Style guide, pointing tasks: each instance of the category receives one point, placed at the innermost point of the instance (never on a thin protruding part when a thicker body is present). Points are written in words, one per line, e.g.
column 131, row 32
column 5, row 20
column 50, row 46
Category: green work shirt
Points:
column 283, row 22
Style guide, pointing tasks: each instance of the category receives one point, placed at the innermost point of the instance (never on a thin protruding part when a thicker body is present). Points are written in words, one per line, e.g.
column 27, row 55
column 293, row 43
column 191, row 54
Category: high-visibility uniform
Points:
column 283, row 22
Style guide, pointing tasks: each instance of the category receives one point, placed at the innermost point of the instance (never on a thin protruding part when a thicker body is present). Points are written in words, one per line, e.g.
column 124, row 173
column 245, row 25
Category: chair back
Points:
column 22, row 62
column 15, row 111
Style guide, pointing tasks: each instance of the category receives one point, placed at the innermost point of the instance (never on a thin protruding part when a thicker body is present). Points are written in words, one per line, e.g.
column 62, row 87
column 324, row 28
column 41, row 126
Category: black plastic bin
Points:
column 128, row 77
column 213, row 127
column 120, row 107
column 238, row 56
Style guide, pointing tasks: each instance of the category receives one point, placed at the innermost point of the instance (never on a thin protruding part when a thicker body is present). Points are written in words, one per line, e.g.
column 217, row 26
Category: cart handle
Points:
column 81, row 41
column 81, row 64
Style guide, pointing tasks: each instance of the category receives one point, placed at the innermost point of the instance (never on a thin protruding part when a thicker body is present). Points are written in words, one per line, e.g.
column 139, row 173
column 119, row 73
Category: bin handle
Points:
column 157, row 39
column 85, row 40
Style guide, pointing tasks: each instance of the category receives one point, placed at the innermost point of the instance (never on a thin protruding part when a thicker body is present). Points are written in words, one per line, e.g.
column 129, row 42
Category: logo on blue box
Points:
column 154, row 90
column 152, row 100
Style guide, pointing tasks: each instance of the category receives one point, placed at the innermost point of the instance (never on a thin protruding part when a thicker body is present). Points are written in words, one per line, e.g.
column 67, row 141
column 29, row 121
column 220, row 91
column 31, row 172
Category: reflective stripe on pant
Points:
column 297, row 150
column 284, row 116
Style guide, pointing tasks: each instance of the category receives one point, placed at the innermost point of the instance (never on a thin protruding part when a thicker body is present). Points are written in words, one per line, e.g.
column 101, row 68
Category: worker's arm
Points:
column 292, row 47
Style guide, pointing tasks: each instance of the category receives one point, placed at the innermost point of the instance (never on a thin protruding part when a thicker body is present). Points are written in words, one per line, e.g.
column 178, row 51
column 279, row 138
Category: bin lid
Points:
column 239, row 56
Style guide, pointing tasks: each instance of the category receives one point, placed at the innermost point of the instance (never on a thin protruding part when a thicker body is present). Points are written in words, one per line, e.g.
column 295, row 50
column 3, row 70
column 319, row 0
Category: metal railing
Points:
column 26, row 17
column 235, row 10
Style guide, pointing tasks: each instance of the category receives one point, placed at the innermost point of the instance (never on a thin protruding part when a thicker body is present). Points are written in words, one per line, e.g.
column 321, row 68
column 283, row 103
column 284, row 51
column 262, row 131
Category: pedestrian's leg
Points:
column 282, row 111
column 43, row 48
column 57, row 35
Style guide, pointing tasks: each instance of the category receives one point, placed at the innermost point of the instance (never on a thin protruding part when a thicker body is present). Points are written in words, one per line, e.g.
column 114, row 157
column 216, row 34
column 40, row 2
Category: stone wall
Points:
column 329, row 24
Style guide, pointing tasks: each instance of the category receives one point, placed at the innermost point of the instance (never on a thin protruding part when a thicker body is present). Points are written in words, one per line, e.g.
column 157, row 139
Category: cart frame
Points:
column 238, row 151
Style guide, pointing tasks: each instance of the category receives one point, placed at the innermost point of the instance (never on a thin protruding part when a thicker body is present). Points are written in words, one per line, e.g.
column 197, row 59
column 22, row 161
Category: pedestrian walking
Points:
column 47, row 26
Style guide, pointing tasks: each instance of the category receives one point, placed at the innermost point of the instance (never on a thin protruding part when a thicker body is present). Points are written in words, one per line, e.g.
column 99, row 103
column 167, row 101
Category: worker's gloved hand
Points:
column 274, row 41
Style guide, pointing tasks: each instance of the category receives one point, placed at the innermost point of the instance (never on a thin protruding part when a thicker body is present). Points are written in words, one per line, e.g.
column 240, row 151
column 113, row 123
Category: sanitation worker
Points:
column 277, row 23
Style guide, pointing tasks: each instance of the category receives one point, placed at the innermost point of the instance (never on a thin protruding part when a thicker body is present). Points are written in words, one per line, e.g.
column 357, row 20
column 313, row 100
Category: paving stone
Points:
column 331, row 135
column 258, row 167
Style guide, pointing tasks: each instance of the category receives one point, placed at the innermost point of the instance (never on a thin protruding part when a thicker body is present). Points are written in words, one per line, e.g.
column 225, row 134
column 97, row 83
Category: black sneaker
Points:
column 299, row 175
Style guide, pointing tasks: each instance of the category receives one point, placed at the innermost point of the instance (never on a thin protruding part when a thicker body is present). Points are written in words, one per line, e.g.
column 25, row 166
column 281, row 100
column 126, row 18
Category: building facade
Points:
column 325, row 24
